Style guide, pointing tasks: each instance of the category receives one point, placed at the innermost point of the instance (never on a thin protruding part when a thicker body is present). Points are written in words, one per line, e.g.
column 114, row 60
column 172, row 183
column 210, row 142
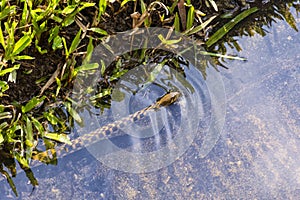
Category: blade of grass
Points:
column 102, row 7
column 190, row 18
column 73, row 112
column 8, row 70
column 6, row 11
column 214, row 5
column 89, row 52
column 75, row 42
column 58, row 137
column 200, row 27
column 24, row 42
column 2, row 39
column 227, row 27
column 125, row 1
column 98, row 30
column 32, row 103
column 177, row 23
column 222, row 56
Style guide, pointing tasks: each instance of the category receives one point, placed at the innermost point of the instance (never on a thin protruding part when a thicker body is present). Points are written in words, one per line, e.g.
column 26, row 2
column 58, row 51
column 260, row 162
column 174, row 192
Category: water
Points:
column 256, row 154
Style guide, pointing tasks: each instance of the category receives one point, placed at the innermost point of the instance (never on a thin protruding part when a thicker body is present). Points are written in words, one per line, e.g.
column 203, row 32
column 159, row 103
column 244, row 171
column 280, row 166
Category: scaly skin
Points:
column 103, row 132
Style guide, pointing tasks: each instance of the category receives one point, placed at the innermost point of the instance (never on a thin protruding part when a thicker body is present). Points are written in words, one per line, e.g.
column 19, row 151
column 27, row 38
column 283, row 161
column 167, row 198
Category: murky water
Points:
column 256, row 155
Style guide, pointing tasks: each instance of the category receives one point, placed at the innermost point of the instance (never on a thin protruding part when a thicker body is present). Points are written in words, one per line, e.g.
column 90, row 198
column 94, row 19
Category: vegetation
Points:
column 44, row 44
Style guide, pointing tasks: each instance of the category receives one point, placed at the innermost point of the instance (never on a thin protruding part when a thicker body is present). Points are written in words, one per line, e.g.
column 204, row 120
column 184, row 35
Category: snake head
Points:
column 168, row 99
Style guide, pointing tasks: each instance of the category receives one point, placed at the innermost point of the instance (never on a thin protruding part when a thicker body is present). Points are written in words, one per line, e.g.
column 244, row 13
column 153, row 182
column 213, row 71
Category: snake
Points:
column 104, row 131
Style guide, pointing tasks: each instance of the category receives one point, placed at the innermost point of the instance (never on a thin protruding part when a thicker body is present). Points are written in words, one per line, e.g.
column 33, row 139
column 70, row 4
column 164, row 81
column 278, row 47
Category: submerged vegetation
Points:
column 44, row 44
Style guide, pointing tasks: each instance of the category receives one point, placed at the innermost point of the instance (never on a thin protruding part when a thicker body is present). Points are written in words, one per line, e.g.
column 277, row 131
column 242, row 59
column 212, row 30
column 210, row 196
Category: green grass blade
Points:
column 9, row 70
column 66, row 47
column 222, row 56
column 2, row 39
column 227, row 27
column 32, row 103
column 24, row 42
column 75, row 42
column 7, row 11
column 125, row 1
column 102, row 7
column 51, row 118
column 190, row 18
column 98, row 30
column 89, row 52
column 24, row 57
column 58, row 137
column 200, row 27
column 39, row 127
column 73, row 112
column 1, row 138
column 177, row 23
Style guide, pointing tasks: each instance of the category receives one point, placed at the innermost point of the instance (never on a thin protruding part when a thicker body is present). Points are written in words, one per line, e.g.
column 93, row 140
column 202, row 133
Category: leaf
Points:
column 118, row 74
column 24, row 57
column 75, row 42
column 57, row 19
column 3, row 86
column 69, row 9
column 57, row 43
column 85, row 67
column 51, row 118
column 98, row 30
column 144, row 9
column 102, row 8
column 289, row 18
column 103, row 93
column 3, row 126
column 222, row 56
column 69, row 19
column 66, row 48
column 89, row 52
column 39, row 48
column 85, row 5
column 200, row 27
column 58, row 86
column 38, row 126
column 5, row 115
column 214, row 5
column 177, row 23
column 73, row 112
column 53, row 33
column 22, row 43
column 2, row 39
column 125, row 1
column 25, row 13
column 171, row 9
column 28, row 130
column 228, row 26
column 190, row 18
column 168, row 42
column 1, row 138
column 22, row 160
column 7, row 11
column 58, row 137
column 9, row 70
column 32, row 103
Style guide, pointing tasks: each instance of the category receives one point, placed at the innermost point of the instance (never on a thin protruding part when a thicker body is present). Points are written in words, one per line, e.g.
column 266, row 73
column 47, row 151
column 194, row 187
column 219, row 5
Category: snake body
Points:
column 104, row 132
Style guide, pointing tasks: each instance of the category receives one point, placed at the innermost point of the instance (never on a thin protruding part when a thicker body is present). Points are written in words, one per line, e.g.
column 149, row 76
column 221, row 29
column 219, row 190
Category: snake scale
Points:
column 105, row 131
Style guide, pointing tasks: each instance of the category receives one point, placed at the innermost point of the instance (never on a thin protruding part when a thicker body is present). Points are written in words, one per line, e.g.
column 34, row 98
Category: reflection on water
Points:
column 133, row 91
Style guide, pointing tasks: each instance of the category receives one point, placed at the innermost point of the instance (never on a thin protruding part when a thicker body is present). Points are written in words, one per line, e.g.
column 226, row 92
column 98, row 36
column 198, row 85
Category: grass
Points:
column 33, row 31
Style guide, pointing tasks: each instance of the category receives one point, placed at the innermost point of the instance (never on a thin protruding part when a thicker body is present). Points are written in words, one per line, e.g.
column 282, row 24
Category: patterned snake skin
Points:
column 105, row 131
